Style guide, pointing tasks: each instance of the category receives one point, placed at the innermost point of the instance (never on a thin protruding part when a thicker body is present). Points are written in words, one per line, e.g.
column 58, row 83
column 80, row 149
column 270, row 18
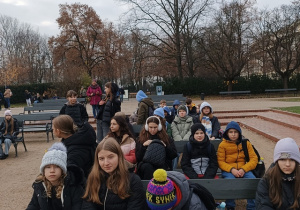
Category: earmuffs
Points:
column 159, row 128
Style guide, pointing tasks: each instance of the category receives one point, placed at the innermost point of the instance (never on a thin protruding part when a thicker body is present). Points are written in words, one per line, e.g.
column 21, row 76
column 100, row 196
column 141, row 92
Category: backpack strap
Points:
column 245, row 149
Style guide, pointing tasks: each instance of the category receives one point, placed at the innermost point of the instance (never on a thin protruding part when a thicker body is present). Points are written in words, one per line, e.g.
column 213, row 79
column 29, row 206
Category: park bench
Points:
column 226, row 188
column 281, row 91
column 169, row 99
column 230, row 93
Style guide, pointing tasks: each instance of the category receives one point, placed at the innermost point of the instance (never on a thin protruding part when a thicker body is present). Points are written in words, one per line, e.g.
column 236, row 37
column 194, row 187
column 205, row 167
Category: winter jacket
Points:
column 143, row 111
column 109, row 110
column 9, row 134
column 111, row 201
column 263, row 201
column 181, row 127
column 77, row 112
column 96, row 97
column 81, row 148
column 214, row 123
column 181, row 182
column 171, row 152
column 202, row 159
column 192, row 110
column 7, row 93
column 70, row 197
column 173, row 110
column 231, row 155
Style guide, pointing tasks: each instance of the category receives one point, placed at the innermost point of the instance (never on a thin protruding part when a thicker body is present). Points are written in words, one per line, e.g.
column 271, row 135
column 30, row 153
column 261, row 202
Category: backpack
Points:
column 205, row 196
column 260, row 168
column 150, row 110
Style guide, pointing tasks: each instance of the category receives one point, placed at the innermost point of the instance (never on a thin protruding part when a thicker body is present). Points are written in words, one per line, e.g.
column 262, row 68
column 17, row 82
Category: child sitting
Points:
column 199, row 159
column 191, row 106
column 74, row 109
column 162, row 103
column 176, row 104
column 231, row 159
column 181, row 125
column 210, row 122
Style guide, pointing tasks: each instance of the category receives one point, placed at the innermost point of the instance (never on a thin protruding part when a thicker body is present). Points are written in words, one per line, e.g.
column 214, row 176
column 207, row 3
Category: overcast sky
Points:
column 42, row 14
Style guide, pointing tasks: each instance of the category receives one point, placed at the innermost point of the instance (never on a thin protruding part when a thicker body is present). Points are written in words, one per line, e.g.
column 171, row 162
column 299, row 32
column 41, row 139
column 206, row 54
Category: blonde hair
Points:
column 118, row 181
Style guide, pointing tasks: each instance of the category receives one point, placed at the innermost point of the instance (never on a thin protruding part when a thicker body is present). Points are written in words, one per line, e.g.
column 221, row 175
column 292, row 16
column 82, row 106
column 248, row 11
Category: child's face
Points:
column 287, row 166
column 165, row 113
column 152, row 128
column 72, row 100
column 182, row 113
column 199, row 135
column 108, row 161
column 114, row 126
column 52, row 173
column 8, row 117
column 107, row 90
column 198, row 109
column 176, row 106
column 233, row 134
column 206, row 110
column 163, row 104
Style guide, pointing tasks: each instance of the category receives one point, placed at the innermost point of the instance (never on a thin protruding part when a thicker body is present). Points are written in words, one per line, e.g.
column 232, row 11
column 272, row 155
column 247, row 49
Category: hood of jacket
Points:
column 167, row 109
column 140, row 96
column 232, row 125
column 204, row 104
column 84, row 136
column 176, row 102
column 148, row 101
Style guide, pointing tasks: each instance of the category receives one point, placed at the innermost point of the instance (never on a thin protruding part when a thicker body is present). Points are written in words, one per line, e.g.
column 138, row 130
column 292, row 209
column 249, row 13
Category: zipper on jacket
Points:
column 237, row 164
column 105, row 198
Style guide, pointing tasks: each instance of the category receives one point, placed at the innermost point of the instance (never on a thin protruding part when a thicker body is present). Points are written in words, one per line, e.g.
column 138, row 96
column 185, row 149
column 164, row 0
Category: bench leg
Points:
column 47, row 136
column 16, row 149
column 24, row 145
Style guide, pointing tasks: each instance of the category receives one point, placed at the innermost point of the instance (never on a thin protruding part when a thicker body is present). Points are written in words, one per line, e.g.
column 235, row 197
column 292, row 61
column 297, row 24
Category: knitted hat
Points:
column 204, row 104
column 7, row 112
column 159, row 112
column 57, row 155
column 287, row 148
column 182, row 107
column 160, row 192
column 166, row 109
column 197, row 126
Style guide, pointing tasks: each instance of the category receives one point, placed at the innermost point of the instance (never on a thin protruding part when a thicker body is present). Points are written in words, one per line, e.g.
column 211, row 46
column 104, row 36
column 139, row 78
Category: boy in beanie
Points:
column 199, row 159
column 54, row 187
column 231, row 159
column 181, row 125
column 171, row 191
column 9, row 129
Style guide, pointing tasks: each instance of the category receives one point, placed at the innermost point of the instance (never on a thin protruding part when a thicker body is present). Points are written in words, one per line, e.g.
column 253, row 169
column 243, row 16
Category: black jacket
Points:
column 199, row 150
column 110, row 108
column 214, row 124
column 9, row 135
column 77, row 112
column 72, row 192
column 171, row 152
column 81, row 148
column 137, row 200
column 263, row 202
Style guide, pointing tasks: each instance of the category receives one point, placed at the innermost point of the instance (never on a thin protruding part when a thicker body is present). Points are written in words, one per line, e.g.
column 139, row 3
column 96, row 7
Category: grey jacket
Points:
column 181, row 128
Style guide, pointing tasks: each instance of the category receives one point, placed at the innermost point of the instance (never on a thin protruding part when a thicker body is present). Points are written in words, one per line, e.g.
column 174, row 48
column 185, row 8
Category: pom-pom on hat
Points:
column 286, row 148
column 57, row 155
column 197, row 126
column 160, row 194
column 7, row 112
column 159, row 112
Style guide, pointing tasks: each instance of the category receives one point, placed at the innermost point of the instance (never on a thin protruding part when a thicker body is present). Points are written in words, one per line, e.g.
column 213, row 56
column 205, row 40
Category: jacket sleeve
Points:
column 188, row 134
column 100, row 91
column 222, row 157
column 215, row 127
column 86, row 205
column 84, row 114
column 212, row 168
column 252, row 159
column 131, row 156
column 76, row 198
column 16, row 127
column 262, row 199
column 139, row 151
column 141, row 113
column 63, row 110
column 175, row 132
column 33, row 204
column 88, row 92
column 137, row 199
column 171, row 151
column 186, row 164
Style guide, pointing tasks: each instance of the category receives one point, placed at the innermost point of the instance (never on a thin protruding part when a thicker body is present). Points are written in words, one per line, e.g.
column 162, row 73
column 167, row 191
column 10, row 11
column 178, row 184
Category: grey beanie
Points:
column 287, row 148
column 57, row 155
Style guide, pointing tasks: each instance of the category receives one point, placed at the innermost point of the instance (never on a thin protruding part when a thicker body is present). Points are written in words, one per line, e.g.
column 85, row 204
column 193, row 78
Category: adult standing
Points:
column 95, row 94
column 122, row 92
column 7, row 95
column 28, row 97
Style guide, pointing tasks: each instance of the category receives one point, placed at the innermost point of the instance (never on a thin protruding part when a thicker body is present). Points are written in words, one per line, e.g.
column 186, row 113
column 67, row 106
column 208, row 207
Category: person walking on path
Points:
column 7, row 95
column 28, row 97
column 95, row 93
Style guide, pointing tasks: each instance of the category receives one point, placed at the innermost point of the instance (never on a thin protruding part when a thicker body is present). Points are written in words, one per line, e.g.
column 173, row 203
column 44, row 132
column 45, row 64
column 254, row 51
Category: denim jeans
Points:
column 7, row 100
column 175, row 161
column 95, row 110
column 28, row 101
column 7, row 143
column 102, row 130
column 230, row 202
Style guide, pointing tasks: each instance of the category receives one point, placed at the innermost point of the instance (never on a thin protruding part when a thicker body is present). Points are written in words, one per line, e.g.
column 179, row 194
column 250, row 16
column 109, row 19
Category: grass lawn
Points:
column 294, row 109
column 289, row 99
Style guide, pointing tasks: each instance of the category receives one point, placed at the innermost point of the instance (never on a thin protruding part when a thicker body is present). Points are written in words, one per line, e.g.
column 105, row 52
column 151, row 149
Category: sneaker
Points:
column 4, row 156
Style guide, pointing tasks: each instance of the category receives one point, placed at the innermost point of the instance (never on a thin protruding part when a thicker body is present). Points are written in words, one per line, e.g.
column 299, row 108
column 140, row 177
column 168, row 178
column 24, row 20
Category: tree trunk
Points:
column 230, row 85
column 285, row 80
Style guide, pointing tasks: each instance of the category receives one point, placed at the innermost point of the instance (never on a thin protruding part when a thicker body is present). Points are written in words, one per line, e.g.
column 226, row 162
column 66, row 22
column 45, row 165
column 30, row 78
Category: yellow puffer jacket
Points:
column 231, row 156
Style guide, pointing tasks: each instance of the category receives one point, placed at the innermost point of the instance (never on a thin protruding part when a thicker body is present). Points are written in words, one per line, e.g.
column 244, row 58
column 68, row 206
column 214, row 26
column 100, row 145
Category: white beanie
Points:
column 57, row 155
column 7, row 112
column 287, row 148
column 204, row 104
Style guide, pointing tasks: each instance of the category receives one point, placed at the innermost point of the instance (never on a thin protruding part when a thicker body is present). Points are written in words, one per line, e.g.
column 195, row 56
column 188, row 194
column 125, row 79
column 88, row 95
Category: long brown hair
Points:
column 12, row 127
column 145, row 135
column 118, row 181
column 65, row 124
column 124, row 129
column 274, row 175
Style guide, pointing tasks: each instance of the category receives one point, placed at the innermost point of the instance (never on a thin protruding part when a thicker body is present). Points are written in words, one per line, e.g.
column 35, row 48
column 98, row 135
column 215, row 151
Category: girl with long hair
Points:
column 110, row 185
column 57, row 186
column 153, row 129
column 280, row 187
column 107, row 109
column 119, row 130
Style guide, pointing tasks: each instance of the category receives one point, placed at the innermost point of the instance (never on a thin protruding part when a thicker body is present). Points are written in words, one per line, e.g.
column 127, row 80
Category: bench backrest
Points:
column 35, row 117
column 235, row 92
column 279, row 90
column 226, row 188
